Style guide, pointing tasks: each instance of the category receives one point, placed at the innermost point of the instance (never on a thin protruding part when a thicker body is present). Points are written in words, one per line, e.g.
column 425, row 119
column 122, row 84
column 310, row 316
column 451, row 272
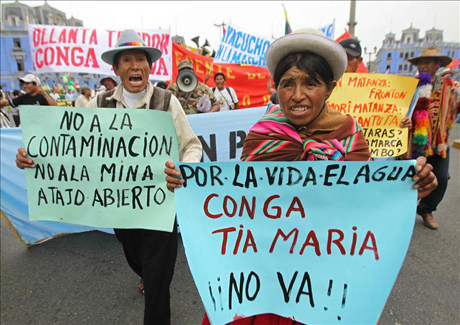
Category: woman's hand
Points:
column 406, row 123
column 425, row 180
column 173, row 176
column 22, row 161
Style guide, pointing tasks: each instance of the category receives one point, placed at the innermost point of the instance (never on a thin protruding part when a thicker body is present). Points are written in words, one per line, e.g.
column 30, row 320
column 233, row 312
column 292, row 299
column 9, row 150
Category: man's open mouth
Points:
column 135, row 78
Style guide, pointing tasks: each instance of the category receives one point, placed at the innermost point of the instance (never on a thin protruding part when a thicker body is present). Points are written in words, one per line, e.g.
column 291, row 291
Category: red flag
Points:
column 343, row 36
column 453, row 64
column 249, row 82
column 362, row 68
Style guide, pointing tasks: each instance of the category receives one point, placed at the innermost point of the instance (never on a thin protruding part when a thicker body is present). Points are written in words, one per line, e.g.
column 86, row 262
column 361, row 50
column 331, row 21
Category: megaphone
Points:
column 186, row 81
column 206, row 43
column 196, row 40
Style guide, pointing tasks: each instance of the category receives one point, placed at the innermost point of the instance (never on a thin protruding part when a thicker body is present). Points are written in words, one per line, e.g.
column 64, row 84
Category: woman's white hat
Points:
column 130, row 40
column 308, row 40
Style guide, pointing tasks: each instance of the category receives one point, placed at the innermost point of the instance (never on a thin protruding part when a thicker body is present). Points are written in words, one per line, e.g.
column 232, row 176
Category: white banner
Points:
column 240, row 47
column 79, row 49
column 328, row 30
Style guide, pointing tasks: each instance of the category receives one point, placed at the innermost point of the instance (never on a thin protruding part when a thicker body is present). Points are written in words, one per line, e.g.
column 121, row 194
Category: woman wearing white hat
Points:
column 305, row 66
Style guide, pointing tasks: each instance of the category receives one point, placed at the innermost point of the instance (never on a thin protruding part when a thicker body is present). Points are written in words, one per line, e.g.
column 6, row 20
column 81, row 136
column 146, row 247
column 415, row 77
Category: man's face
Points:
column 353, row 63
column 220, row 82
column 30, row 87
column 428, row 65
column 109, row 84
column 133, row 70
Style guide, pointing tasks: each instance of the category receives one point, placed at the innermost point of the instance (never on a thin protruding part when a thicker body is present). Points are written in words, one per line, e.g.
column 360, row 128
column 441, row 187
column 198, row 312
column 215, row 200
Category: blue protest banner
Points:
column 318, row 242
column 222, row 135
column 240, row 47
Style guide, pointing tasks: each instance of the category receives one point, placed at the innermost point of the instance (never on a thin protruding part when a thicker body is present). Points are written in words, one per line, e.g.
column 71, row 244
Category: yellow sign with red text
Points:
column 378, row 102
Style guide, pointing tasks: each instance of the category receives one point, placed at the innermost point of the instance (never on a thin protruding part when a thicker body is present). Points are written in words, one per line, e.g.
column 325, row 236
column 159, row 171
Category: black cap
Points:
column 351, row 46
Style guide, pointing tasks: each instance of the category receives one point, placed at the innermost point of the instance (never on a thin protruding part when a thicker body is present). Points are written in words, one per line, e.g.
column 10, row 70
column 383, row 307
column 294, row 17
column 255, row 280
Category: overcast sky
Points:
column 266, row 18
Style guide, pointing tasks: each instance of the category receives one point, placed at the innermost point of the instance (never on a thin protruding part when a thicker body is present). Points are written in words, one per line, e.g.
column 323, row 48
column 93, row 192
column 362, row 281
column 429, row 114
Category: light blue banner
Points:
column 221, row 134
column 318, row 242
column 240, row 47
column 13, row 193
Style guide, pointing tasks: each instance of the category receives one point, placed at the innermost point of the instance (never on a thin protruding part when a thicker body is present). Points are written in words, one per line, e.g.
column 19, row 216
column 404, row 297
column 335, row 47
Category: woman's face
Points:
column 301, row 98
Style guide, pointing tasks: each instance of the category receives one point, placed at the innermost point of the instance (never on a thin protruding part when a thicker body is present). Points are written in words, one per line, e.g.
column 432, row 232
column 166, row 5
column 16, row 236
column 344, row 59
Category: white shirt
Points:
column 132, row 98
column 55, row 96
column 223, row 98
column 81, row 101
column 190, row 149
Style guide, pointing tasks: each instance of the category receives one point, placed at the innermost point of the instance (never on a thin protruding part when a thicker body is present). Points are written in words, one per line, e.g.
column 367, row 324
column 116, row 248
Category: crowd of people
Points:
column 305, row 67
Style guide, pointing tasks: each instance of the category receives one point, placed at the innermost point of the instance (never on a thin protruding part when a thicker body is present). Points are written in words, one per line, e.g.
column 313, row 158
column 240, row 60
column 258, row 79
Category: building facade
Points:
column 15, row 51
column 392, row 56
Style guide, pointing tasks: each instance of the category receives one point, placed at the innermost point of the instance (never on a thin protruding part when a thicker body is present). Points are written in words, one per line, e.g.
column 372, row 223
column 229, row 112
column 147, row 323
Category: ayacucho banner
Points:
column 241, row 47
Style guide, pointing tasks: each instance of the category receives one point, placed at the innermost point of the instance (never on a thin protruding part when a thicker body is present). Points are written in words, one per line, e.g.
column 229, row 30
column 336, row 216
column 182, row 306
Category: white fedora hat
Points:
column 130, row 40
column 308, row 40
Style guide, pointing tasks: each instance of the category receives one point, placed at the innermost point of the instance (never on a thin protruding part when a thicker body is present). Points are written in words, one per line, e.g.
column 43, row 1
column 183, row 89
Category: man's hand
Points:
column 41, row 91
column 173, row 177
column 433, row 109
column 22, row 161
column 206, row 77
column 406, row 123
column 425, row 180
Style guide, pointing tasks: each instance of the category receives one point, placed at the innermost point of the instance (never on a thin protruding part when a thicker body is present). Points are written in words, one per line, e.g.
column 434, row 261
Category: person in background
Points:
column 433, row 118
column 55, row 95
column 109, row 83
column 200, row 100
column 15, row 110
column 353, row 49
column 225, row 96
column 35, row 95
column 273, row 96
column 162, row 85
column 84, row 98
column 4, row 119
column 69, row 95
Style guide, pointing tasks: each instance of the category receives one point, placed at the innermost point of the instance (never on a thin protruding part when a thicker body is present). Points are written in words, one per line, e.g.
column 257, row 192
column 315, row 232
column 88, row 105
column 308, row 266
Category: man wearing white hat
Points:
column 35, row 95
column 432, row 125
column 109, row 83
column 151, row 254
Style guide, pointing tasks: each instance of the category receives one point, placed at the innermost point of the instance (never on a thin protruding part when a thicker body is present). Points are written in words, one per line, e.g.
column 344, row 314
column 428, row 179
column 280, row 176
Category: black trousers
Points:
column 152, row 255
column 17, row 120
column 441, row 169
